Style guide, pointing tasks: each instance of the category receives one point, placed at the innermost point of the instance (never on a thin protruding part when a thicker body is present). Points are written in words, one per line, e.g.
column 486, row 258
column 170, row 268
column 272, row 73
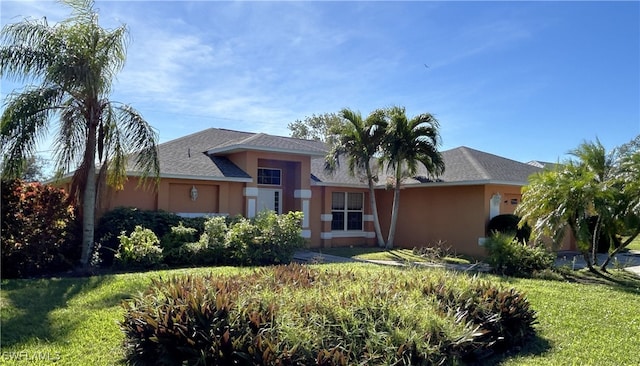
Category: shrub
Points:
column 40, row 233
column 120, row 219
column 210, row 248
column 272, row 316
column 510, row 257
column 140, row 249
column 508, row 224
column 503, row 317
column 280, row 236
column 172, row 242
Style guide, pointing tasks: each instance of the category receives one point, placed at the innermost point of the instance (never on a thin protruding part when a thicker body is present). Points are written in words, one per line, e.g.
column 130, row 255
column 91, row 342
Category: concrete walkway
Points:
column 630, row 261
column 306, row 256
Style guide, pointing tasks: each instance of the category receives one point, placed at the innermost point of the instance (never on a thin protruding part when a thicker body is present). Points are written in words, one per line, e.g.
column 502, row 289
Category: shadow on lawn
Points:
column 537, row 346
column 28, row 305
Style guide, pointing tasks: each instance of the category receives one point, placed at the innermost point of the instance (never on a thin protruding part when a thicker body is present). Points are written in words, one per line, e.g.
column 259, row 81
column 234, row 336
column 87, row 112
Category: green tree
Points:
column 359, row 141
column 626, row 200
column 317, row 127
column 407, row 143
column 75, row 63
column 595, row 184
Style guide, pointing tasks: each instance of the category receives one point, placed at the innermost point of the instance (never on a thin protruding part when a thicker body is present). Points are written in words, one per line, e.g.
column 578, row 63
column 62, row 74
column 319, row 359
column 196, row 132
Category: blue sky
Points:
column 524, row 80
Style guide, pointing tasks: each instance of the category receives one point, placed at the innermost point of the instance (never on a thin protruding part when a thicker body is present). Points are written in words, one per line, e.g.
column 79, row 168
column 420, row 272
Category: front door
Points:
column 270, row 199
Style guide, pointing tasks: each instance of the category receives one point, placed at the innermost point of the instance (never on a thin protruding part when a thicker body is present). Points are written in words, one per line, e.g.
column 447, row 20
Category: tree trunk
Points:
column 374, row 210
column 603, row 268
column 89, row 194
column 594, row 242
column 394, row 211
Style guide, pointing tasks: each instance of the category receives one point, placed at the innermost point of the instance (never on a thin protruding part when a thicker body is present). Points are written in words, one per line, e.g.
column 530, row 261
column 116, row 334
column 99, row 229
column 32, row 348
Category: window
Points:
column 269, row 176
column 347, row 210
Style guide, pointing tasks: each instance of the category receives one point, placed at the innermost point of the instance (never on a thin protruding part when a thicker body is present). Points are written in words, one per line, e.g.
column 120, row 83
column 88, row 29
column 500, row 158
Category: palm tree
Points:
column 408, row 143
column 75, row 62
column 556, row 199
column 596, row 184
column 359, row 140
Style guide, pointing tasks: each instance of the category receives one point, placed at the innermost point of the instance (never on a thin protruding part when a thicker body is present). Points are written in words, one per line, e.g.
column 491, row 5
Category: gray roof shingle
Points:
column 187, row 157
column 462, row 165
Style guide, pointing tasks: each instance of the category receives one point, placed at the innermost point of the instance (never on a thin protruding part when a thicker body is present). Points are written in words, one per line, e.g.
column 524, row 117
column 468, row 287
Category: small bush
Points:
column 140, row 249
column 510, row 257
column 210, row 248
column 503, row 317
column 40, row 233
column 279, row 237
column 508, row 224
column 120, row 219
column 172, row 243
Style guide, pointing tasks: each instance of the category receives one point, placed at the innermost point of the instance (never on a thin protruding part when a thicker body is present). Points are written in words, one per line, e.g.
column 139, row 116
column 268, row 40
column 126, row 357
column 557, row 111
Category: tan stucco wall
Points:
column 174, row 195
column 451, row 214
column 133, row 195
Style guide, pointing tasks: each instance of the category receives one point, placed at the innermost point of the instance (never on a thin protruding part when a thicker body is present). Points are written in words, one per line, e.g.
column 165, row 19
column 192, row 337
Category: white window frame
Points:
column 345, row 211
column 269, row 184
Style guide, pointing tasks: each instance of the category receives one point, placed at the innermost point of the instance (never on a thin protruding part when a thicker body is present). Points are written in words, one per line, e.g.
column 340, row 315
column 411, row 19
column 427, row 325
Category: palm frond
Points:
column 131, row 136
column 71, row 141
column 23, row 123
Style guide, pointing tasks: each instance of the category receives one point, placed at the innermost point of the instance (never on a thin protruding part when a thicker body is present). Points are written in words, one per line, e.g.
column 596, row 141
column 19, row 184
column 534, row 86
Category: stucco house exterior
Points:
column 226, row 172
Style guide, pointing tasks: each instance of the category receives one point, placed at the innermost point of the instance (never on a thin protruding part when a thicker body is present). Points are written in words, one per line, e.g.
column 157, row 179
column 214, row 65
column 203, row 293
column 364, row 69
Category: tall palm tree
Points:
column 359, row 140
column 409, row 142
column 75, row 63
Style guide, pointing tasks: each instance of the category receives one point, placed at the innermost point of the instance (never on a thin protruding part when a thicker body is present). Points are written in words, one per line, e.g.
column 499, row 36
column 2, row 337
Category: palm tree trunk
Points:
column 374, row 210
column 394, row 210
column 89, row 194
column 603, row 268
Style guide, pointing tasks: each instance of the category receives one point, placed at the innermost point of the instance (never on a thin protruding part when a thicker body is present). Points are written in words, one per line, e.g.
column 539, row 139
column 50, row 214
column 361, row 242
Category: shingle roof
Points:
column 187, row 157
column 264, row 142
column 463, row 165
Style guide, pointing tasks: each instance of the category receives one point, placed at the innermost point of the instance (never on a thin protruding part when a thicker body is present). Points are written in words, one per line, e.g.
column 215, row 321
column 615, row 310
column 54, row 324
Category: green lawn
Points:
column 635, row 244
column 74, row 321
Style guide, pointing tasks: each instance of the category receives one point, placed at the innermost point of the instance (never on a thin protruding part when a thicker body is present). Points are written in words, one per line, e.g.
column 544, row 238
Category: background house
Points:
column 225, row 172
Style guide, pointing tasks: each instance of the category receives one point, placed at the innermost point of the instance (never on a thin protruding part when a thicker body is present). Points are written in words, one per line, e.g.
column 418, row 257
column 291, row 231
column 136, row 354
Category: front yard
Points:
column 73, row 321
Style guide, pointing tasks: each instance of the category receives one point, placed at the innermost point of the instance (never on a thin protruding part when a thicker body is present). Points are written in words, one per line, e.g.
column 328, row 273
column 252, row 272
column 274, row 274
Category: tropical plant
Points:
column 598, row 185
column 39, row 230
column 359, row 140
column 407, row 143
column 140, row 248
column 75, row 62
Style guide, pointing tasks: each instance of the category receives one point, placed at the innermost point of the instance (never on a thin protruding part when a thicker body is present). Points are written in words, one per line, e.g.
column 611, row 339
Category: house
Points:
column 226, row 172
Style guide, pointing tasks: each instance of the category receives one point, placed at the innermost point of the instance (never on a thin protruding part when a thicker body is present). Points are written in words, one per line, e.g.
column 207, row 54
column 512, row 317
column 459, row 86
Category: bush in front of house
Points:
column 511, row 257
column 210, row 249
column 120, row 219
column 508, row 224
column 266, row 239
column 40, row 233
column 141, row 249
column 272, row 316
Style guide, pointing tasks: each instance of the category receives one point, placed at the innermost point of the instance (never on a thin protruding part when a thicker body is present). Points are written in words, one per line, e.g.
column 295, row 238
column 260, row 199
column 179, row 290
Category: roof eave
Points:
column 198, row 177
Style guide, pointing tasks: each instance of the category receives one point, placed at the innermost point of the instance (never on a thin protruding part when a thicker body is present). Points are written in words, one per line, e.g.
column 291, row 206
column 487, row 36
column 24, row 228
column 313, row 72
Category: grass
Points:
column 381, row 254
column 635, row 244
column 75, row 320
